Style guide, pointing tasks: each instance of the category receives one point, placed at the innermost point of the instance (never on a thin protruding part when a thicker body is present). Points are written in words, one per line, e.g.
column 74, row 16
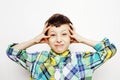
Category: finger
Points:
column 46, row 36
column 45, row 26
column 71, row 31
column 72, row 27
column 71, row 36
column 46, row 29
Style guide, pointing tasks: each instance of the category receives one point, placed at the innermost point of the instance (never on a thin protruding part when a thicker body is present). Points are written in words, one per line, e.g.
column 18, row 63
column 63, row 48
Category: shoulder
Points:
column 77, row 53
column 44, row 53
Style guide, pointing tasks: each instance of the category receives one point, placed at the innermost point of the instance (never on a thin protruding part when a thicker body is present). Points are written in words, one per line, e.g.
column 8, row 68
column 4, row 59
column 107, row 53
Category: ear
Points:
column 44, row 40
column 71, row 40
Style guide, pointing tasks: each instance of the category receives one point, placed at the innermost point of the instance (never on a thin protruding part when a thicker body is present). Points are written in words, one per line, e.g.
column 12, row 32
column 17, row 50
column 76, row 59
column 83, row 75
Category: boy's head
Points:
column 59, row 33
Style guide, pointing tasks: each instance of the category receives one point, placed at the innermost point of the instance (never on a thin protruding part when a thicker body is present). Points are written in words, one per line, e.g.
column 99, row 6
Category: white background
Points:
column 21, row 20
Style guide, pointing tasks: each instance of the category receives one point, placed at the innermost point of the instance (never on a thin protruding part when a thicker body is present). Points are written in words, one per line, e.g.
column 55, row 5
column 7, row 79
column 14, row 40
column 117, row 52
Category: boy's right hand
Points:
column 42, row 38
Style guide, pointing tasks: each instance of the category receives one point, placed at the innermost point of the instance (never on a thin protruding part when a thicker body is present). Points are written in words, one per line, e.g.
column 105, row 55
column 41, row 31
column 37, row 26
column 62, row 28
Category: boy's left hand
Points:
column 75, row 38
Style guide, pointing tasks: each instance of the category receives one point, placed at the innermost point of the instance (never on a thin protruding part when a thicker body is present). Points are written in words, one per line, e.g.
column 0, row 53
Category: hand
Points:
column 42, row 38
column 75, row 38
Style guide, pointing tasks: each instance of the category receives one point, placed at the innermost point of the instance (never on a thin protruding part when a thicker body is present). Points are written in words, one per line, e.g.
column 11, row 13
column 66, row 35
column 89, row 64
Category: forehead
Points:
column 60, row 28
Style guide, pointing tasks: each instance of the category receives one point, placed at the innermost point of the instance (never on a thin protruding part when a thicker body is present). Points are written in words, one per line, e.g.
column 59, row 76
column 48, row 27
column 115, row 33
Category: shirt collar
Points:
column 55, row 59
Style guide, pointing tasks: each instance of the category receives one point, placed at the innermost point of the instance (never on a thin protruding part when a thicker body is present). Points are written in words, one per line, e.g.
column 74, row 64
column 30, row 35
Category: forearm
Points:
column 24, row 45
column 88, row 42
column 80, row 39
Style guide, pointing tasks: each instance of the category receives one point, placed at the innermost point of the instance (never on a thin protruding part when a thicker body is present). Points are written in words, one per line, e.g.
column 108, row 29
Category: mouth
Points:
column 59, row 45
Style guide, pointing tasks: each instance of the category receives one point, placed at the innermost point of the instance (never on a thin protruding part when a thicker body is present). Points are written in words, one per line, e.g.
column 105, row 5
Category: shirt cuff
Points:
column 105, row 42
column 12, row 51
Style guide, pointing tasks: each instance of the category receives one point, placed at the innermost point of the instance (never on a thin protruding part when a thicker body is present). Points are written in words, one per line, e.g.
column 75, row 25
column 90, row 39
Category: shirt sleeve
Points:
column 104, row 51
column 21, row 57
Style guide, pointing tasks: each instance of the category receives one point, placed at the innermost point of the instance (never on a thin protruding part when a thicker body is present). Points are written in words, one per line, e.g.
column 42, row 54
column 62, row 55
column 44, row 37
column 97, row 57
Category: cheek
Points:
column 67, row 39
column 51, row 40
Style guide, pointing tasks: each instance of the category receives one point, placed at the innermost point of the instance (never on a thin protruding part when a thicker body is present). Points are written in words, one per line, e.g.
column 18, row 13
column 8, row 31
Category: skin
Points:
column 58, row 38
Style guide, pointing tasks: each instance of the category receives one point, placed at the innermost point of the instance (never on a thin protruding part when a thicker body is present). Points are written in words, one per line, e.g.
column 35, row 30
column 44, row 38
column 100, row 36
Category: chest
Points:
column 71, row 70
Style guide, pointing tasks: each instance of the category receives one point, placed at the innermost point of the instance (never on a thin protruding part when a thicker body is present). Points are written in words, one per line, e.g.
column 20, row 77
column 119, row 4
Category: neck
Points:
column 65, row 53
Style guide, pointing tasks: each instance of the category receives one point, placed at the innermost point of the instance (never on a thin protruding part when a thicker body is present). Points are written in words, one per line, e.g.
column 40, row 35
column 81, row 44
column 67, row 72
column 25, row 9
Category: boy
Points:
column 60, row 63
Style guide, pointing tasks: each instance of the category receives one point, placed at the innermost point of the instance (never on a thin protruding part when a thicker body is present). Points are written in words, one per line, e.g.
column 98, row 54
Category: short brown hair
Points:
column 57, row 20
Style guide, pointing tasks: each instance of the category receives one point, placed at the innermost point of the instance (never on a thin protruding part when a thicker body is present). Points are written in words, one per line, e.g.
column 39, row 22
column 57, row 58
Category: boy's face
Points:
column 59, row 40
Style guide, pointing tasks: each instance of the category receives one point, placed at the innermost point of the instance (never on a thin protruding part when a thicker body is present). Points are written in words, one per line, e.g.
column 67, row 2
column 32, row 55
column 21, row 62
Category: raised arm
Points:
column 41, row 38
column 76, row 38
column 17, row 51
column 104, row 50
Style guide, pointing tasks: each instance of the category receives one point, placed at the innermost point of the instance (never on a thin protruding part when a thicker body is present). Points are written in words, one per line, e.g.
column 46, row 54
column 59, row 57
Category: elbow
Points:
column 9, row 51
column 110, row 51
column 113, row 49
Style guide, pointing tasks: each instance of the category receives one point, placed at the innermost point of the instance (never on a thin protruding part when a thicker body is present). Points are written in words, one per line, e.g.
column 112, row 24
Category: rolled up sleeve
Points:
column 21, row 57
column 104, row 51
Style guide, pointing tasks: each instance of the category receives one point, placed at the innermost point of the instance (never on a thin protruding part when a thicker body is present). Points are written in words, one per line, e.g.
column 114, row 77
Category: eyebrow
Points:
column 61, row 31
column 52, row 31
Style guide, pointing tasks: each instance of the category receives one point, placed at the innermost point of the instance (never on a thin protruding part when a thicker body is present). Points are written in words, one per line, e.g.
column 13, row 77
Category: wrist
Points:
column 33, row 42
column 81, row 39
column 88, row 42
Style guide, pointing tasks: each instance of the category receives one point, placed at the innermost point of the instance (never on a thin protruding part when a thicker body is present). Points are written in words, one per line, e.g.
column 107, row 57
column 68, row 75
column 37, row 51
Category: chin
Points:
column 59, row 51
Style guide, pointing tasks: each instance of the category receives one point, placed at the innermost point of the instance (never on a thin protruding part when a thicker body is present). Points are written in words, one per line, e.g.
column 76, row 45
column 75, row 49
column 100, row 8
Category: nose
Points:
column 58, row 39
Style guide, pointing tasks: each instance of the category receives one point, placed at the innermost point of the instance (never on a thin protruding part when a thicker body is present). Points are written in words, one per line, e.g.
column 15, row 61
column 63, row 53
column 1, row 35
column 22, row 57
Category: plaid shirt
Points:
column 76, row 66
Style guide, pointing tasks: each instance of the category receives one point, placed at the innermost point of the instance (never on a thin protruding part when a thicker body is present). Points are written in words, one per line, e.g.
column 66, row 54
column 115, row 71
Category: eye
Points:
column 64, row 34
column 52, row 34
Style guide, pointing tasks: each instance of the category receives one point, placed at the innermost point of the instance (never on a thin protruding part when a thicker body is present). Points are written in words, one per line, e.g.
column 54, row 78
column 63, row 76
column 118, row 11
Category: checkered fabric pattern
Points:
column 74, row 66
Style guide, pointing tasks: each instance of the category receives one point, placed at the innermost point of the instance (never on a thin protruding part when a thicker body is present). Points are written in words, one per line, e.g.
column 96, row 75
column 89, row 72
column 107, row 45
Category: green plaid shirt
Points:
column 76, row 66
